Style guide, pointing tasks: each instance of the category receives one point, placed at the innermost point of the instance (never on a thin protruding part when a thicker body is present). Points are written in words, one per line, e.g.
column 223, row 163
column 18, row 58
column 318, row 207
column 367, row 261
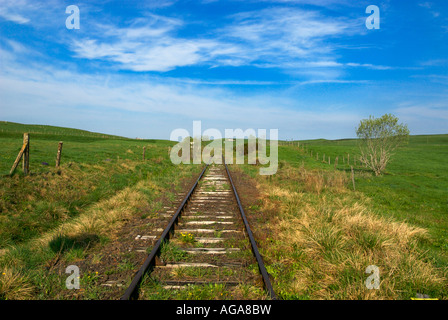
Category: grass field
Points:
column 397, row 221
column 317, row 234
column 102, row 181
column 414, row 187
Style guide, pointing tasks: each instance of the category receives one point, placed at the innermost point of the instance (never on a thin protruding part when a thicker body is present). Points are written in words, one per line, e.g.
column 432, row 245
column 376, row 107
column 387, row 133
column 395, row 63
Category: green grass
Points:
column 318, row 235
column 93, row 167
column 98, row 173
column 78, row 147
column 45, row 132
column 173, row 253
column 414, row 187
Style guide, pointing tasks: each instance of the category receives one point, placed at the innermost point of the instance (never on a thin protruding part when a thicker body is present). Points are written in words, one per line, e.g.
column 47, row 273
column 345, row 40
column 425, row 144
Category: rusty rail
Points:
column 261, row 266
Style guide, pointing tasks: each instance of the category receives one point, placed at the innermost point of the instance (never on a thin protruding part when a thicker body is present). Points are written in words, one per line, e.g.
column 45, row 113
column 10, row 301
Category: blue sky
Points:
column 310, row 69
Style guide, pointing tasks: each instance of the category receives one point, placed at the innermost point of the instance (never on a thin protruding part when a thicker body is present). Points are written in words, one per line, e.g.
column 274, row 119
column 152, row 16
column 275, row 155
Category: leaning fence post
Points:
column 58, row 156
column 19, row 157
column 23, row 153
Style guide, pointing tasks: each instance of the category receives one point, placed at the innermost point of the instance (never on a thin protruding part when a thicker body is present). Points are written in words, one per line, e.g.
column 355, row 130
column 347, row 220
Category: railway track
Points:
column 212, row 243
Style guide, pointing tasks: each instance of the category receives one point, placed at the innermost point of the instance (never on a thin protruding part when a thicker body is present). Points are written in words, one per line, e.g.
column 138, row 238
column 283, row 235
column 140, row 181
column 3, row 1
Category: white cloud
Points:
column 147, row 44
column 275, row 38
column 435, row 63
column 48, row 95
column 293, row 40
column 425, row 118
column 16, row 11
column 417, row 112
column 5, row 14
column 162, row 55
column 369, row 66
column 39, row 15
column 334, row 81
column 285, row 35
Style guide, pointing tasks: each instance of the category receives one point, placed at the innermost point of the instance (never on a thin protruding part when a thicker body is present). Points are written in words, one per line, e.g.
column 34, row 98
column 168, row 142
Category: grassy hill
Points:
column 79, row 146
column 43, row 132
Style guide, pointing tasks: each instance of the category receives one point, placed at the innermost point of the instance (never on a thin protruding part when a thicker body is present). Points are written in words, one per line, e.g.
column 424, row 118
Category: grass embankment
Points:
column 319, row 236
column 59, row 214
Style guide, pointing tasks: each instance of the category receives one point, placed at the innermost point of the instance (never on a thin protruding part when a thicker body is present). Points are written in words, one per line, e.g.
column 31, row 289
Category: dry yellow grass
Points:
column 14, row 286
column 325, row 241
column 102, row 218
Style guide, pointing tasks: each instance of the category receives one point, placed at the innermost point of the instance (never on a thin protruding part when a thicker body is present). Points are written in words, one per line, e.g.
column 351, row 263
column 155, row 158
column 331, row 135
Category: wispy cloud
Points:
column 28, row 12
column 425, row 111
column 293, row 40
column 147, row 44
column 435, row 63
column 284, row 35
column 136, row 56
column 274, row 38
column 427, row 116
column 431, row 8
column 5, row 14
column 94, row 98
column 15, row 11
column 334, row 81
column 303, row 66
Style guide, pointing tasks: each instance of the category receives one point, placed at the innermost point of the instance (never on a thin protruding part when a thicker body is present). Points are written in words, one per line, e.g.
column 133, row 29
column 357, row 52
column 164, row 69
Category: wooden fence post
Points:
column 24, row 150
column 353, row 178
column 144, row 151
column 58, row 156
column 26, row 154
column 336, row 162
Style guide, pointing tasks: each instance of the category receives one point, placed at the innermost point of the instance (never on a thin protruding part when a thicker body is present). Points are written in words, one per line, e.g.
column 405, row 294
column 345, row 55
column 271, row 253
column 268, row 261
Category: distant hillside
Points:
column 44, row 132
column 421, row 138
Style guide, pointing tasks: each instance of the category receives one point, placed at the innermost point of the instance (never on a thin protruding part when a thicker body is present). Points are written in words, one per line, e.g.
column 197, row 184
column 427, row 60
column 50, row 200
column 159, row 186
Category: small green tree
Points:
column 378, row 139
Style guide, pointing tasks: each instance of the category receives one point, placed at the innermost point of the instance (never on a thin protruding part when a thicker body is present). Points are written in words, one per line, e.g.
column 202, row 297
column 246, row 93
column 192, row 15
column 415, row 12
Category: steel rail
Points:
column 150, row 260
column 261, row 266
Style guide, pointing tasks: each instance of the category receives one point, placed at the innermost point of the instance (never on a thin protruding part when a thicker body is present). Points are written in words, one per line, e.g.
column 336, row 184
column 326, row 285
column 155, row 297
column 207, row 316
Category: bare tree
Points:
column 378, row 139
